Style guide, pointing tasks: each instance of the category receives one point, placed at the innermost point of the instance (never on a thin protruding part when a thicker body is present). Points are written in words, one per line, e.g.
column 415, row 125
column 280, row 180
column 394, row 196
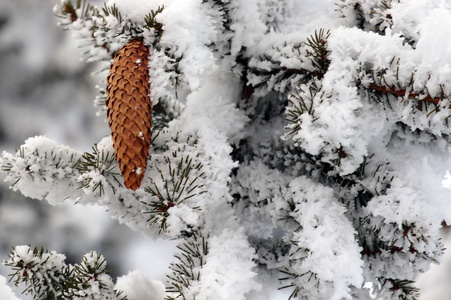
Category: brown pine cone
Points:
column 130, row 110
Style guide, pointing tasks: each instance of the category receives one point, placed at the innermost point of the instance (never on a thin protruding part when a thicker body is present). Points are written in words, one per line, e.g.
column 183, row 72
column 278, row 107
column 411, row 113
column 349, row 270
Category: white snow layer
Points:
column 333, row 256
column 228, row 272
column 342, row 120
column 138, row 286
column 40, row 177
column 6, row 292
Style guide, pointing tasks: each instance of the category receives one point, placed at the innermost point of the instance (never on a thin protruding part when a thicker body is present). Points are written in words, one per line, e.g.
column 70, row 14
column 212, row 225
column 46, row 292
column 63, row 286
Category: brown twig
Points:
column 402, row 93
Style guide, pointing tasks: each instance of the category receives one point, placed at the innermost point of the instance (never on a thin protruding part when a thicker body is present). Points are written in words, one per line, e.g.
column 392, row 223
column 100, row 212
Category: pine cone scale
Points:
column 130, row 111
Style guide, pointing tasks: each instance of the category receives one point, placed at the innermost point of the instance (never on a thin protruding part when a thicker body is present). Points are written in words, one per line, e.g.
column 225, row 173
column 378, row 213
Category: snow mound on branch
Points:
column 187, row 31
column 325, row 247
column 136, row 10
column 138, row 286
column 42, row 169
column 228, row 272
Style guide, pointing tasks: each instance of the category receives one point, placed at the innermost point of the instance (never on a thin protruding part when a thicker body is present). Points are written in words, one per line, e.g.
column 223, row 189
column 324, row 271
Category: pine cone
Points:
column 130, row 110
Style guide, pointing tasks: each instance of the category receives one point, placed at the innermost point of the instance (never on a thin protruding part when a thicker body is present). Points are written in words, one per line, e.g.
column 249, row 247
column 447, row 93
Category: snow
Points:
column 247, row 25
column 434, row 284
column 35, row 264
column 400, row 205
column 136, row 10
column 227, row 273
column 385, row 147
column 410, row 16
column 44, row 167
column 138, row 286
column 326, row 244
column 189, row 36
column 434, row 54
column 149, row 257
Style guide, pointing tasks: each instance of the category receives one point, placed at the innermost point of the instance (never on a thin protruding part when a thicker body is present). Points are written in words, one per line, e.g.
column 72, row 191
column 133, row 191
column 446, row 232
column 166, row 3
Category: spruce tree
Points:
column 282, row 155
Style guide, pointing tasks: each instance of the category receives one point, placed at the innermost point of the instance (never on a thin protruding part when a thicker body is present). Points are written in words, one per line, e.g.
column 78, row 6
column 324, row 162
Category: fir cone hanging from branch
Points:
column 130, row 110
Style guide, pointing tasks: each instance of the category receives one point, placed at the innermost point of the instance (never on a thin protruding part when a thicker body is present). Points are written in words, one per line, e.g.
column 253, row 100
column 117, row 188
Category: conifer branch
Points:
column 325, row 213
column 69, row 9
column 387, row 81
column 181, row 181
column 113, row 11
column 44, row 275
column 318, row 53
column 308, row 93
column 302, row 102
column 270, row 72
column 401, row 93
column 166, row 110
column 150, row 20
column 97, row 169
column 70, row 12
column 47, row 277
column 375, row 17
column 190, row 262
column 290, row 277
column 34, row 168
column 400, row 288
column 96, row 29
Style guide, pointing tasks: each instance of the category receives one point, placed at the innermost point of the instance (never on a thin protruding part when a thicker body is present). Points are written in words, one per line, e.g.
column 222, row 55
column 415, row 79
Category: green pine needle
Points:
column 190, row 262
column 103, row 163
column 180, row 180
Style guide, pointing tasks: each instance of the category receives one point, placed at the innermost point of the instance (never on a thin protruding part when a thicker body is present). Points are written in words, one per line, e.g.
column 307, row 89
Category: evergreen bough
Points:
column 276, row 158
column 47, row 277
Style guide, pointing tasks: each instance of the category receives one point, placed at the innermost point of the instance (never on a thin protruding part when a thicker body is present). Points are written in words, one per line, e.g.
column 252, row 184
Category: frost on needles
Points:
column 298, row 153
column 47, row 276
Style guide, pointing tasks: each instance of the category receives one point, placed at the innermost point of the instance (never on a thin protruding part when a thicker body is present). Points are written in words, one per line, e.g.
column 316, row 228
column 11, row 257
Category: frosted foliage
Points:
column 273, row 12
column 262, row 184
column 96, row 286
column 369, row 14
column 46, row 270
column 227, row 273
column 191, row 34
column 409, row 16
column 45, row 169
column 162, row 79
column 279, row 55
column 188, row 198
column 160, row 185
column 51, row 277
column 48, row 261
column 137, row 10
column 316, row 155
column 324, row 252
column 343, row 119
column 434, row 66
column 247, row 25
column 401, row 204
column 337, row 114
